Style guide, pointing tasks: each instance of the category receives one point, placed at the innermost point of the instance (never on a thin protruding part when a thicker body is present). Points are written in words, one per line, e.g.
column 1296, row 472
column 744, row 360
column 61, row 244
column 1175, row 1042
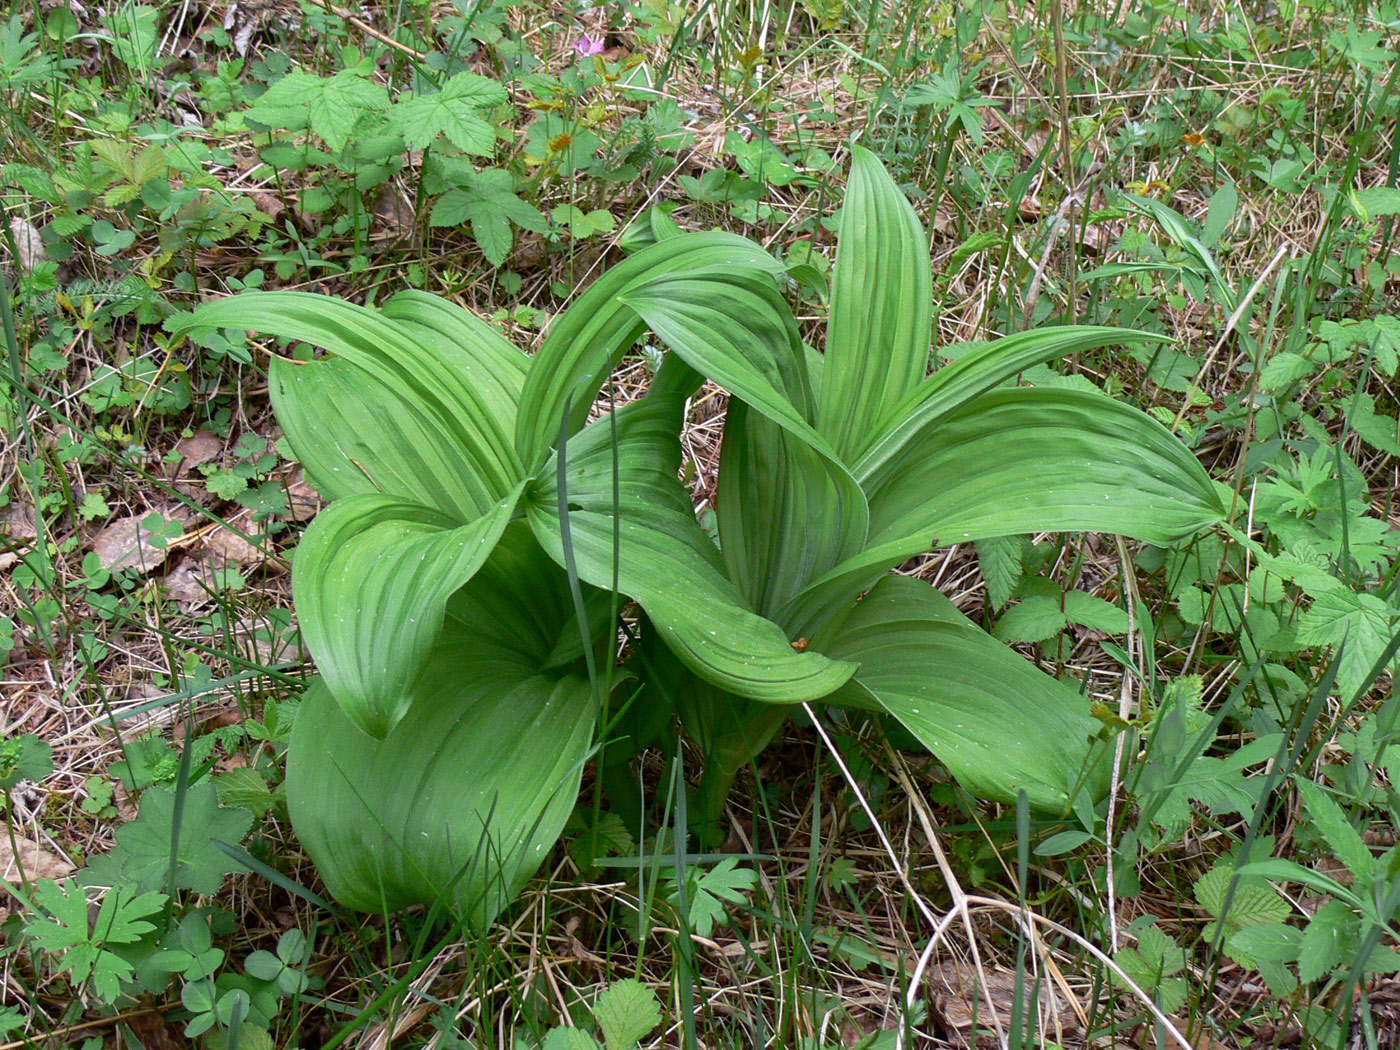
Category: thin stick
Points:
column 1229, row 327
column 1125, row 706
column 369, row 30
column 963, row 903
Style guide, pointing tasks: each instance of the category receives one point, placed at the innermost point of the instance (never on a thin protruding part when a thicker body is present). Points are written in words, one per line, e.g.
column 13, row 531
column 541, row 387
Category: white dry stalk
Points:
column 1229, row 327
column 384, row 1034
column 963, row 906
column 1058, row 224
column 954, row 887
column 960, row 904
column 1136, row 655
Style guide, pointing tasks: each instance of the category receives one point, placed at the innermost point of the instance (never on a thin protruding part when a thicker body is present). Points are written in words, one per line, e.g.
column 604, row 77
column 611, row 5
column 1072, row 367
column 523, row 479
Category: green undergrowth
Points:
column 1224, row 177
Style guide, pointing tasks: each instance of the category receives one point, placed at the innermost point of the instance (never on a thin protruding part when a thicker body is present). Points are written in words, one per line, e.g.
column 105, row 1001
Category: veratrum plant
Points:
column 837, row 468
column 438, row 755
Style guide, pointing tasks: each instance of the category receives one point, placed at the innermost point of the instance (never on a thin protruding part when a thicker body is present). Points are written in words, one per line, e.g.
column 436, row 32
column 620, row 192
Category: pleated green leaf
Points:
column 786, row 513
column 460, row 803
column 439, row 380
column 1043, row 459
column 465, row 796
column 666, row 562
column 997, row 723
column 735, row 329
column 588, row 338
column 985, row 368
column 371, row 579
column 877, row 341
column 832, row 593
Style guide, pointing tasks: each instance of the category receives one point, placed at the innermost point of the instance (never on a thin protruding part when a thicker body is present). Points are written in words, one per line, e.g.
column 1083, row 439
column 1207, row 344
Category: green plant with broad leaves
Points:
column 438, row 755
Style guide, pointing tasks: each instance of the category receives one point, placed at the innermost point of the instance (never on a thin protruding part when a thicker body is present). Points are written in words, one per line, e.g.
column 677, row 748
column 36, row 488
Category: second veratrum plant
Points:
column 440, row 751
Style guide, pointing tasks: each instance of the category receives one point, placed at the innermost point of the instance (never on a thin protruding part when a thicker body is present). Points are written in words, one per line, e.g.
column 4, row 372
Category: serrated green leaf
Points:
column 23, row 757
column 141, row 857
column 1340, row 834
column 422, row 118
column 121, row 919
column 1362, row 621
column 626, row 1012
column 247, row 788
column 1255, row 902
column 569, row 1039
column 1035, row 619
column 1379, row 200
column 1269, row 942
column 608, row 838
column 337, row 103
column 999, row 559
column 1332, row 932
column 494, row 236
column 1152, row 965
column 1086, row 610
column 34, row 181
column 1284, row 369
column 581, row 224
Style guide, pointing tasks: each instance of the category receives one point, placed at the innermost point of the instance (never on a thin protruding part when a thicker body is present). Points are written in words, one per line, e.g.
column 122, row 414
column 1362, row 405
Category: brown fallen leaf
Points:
column 303, row 502
column 960, row 1001
column 199, row 447
column 37, row 861
column 191, row 583
column 228, row 546
column 154, row 1031
column 128, row 544
column 29, row 244
column 17, row 530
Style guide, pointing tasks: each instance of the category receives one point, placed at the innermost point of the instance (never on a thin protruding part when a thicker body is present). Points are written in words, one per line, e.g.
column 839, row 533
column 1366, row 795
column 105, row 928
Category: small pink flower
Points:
column 587, row 46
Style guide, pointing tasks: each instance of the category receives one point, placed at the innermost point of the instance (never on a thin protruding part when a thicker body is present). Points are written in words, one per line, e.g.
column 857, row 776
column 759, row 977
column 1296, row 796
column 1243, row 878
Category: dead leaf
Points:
column 960, row 1000
column 303, row 502
column 151, row 1027
column 199, row 447
column 191, row 584
column 393, row 213
column 227, row 545
column 29, row 245
column 38, row 862
column 17, row 529
column 127, row 544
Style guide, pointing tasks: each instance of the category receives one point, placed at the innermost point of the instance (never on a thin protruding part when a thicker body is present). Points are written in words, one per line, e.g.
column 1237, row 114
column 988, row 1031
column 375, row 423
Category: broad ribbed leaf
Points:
column 996, row 722
column 460, row 802
column 371, row 578
column 588, row 338
column 479, row 775
column 786, row 513
column 458, row 392
column 832, row 593
column 356, row 435
column 666, row 562
column 987, row 367
column 735, row 329
column 877, row 341
column 1043, row 459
